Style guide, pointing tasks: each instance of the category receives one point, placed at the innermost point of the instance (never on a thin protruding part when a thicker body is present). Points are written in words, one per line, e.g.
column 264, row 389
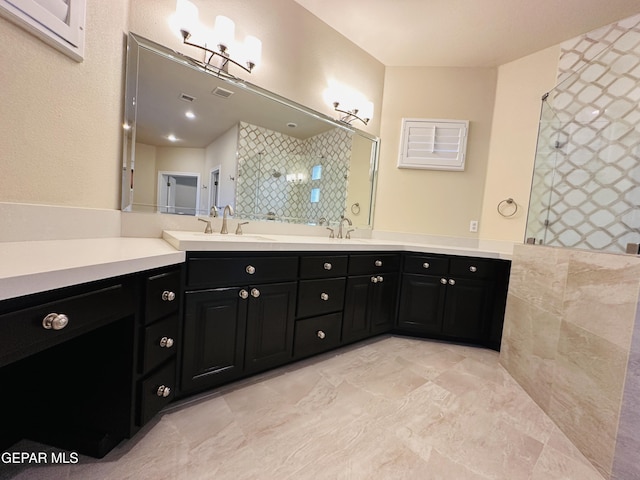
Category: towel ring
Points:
column 505, row 204
column 355, row 208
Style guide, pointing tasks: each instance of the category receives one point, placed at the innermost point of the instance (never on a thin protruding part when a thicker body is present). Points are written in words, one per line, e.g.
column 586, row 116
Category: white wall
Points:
column 222, row 153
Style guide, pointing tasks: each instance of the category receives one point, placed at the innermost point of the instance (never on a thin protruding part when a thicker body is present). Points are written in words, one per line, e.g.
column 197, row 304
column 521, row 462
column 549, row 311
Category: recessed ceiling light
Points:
column 190, row 114
column 172, row 138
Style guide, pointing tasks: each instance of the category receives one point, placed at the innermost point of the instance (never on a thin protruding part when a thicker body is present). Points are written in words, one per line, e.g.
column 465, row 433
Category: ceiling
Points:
column 463, row 33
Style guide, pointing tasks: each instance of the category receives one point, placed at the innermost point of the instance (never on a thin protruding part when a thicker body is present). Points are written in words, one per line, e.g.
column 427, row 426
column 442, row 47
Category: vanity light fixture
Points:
column 351, row 115
column 247, row 55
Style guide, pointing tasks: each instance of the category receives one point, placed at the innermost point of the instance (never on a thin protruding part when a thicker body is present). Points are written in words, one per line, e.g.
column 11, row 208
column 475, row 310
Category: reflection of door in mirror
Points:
column 178, row 193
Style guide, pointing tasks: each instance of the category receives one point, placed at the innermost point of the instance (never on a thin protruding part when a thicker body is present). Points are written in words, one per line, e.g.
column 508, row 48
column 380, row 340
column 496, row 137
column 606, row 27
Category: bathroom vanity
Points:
column 88, row 364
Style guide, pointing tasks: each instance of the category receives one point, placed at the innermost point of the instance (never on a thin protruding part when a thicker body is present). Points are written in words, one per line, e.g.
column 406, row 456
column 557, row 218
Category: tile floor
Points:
column 390, row 408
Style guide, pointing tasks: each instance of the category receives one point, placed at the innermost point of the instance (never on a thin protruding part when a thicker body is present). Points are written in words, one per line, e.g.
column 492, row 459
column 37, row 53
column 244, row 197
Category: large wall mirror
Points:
column 195, row 139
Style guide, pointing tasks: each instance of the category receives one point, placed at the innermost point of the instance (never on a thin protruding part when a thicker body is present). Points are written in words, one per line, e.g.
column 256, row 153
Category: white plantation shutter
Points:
column 433, row 144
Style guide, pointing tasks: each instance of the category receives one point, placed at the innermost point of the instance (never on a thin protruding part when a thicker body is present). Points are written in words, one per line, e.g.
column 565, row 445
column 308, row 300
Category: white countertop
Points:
column 38, row 266
column 197, row 241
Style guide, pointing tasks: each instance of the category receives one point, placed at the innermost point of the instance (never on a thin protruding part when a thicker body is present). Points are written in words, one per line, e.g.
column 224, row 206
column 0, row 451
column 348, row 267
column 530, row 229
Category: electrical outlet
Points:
column 473, row 226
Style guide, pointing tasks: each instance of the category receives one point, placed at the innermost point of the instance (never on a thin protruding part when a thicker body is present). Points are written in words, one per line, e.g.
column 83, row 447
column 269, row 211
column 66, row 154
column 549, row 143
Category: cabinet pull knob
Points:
column 243, row 294
column 324, row 296
column 55, row 321
column 374, row 279
column 163, row 391
column 452, row 281
column 320, row 334
column 473, row 269
column 250, row 269
column 425, row 265
column 168, row 296
column 380, row 278
column 443, row 281
column 166, row 342
column 378, row 263
column 255, row 293
column 327, row 266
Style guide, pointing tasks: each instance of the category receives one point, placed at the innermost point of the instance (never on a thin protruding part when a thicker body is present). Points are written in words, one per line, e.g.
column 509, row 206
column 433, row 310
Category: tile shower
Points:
column 586, row 184
column 283, row 177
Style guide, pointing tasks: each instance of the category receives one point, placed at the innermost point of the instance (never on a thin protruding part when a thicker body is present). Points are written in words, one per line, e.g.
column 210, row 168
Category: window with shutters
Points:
column 433, row 144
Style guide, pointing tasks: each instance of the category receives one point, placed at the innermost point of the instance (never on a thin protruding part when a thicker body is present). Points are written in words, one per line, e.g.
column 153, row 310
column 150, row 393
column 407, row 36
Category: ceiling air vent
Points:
column 222, row 92
column 186, row 97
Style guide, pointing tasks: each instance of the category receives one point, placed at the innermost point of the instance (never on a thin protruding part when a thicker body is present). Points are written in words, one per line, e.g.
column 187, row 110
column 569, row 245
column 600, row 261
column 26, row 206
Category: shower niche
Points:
column 586, row 182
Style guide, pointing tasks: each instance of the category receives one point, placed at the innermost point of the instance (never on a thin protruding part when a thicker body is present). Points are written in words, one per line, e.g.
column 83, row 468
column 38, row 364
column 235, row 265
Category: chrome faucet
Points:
column 342, row 220
column 227, row 210
column 213, row 212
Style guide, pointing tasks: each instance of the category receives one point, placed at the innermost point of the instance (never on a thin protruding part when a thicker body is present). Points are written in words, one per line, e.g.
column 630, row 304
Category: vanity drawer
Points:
column 370, row 264
column 426, row 265
column 162, row 296
column 316, row 297
column 156, row 391
column 159, row 342
column 22, row 332
column 323, row 266
column 472, row 268
column 228, row 271
column 317, row 334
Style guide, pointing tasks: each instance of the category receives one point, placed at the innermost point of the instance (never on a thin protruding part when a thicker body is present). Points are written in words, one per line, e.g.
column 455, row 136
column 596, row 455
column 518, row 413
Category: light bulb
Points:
column 224, row 30
column 253, row 50
column 186, row 16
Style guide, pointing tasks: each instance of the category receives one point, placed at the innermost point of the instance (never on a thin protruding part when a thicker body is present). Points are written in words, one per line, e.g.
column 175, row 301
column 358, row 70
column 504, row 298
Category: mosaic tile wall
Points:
column 268, row 159
column 586, row 185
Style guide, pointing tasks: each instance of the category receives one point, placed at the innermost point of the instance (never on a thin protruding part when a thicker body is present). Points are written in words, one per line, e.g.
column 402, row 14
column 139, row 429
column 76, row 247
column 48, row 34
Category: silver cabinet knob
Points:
column 243, row 294
column 255, row 293
column 380, row 279
column 163, row 391
column 320, row 334
column 250, row 269
column 443, row 281
column 374, row 279
column 324, row 296
column 425, row 265
column 473, row 269
column 327, row 266
column 168, row 296
column 166, row 342
column 378, row 263
column 55, row 321
column 452, row 281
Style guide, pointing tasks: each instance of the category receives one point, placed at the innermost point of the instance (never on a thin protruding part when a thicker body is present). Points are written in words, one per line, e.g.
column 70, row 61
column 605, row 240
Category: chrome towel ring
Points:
column 507, row 205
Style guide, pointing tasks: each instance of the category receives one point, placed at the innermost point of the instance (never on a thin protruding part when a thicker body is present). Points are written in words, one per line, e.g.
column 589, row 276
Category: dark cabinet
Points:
column 455, row 298
column 370, row 298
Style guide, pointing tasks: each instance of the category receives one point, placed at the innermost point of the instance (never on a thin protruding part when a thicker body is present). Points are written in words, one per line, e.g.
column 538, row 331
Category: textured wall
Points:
column 567, row 336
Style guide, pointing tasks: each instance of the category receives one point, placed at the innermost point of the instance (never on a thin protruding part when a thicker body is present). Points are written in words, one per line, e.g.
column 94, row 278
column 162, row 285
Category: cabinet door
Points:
column 270, row 323
column 383, row 303
column 467, row 309
column 214, row 332
column 421, row 304
column 356, row 323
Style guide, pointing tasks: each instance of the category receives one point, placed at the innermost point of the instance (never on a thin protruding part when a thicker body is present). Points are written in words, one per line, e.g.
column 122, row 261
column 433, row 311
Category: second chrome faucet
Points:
column 228, row 210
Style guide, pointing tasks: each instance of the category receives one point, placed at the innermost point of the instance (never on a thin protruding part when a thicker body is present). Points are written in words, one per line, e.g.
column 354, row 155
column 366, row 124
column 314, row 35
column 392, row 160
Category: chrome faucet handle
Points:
column 239, row 228
column 208, row 228
column 331, row 234
column 348, row 234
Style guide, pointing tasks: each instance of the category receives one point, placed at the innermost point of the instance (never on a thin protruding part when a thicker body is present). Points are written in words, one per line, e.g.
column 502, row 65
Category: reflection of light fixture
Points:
column 189, row 114
column 185, row 19
column 351, row 115
column 172, row 138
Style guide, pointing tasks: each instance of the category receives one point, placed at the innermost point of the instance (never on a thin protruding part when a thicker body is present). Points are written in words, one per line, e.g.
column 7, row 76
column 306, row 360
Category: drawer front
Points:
column 22, row 332
column 159, row 342
column 323, row 266
column 162, row 295
column 372, row 264
column 228, row 271
column 317, row 334
column 426, row 265
column 472, row 268
column 153, row 393
column 316, row 297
